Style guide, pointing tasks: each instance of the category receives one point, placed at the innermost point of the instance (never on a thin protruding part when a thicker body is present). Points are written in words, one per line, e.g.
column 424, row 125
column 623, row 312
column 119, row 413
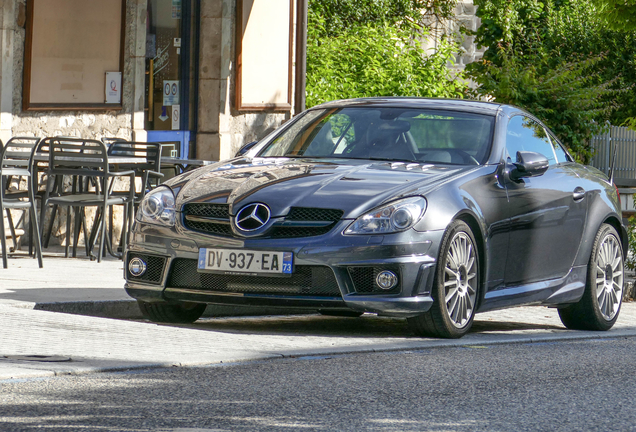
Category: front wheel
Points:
column 455, row 286
column 176, row 313
column 601, row 302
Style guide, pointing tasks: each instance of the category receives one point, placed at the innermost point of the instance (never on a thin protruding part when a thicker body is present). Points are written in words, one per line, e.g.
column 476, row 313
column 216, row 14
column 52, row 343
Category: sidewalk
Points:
column 37, row 341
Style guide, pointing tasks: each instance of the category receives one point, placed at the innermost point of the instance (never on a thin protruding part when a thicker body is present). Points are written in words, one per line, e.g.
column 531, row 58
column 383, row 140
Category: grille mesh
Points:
column 154, row 268
column 292, row 232
column 221, row 211
column 314, row 214
column 296, row 214
column 306, row 280
column 363, row 279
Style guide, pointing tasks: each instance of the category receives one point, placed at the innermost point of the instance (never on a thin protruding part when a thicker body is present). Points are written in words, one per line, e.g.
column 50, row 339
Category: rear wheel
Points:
column 455, row 286
column 171, row 312
column 601, row 302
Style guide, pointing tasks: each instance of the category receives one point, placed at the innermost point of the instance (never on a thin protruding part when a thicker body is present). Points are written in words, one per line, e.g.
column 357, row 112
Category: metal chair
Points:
column 17, row 162
column 146, row 167
column 85, row 159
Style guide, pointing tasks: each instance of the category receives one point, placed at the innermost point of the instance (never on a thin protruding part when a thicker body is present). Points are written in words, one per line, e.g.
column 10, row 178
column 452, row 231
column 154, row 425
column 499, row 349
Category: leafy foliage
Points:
column 630, row 262
column 619, row 14
column 340, row 15
column 372, row 48
column 566, row 97
column 557, row 59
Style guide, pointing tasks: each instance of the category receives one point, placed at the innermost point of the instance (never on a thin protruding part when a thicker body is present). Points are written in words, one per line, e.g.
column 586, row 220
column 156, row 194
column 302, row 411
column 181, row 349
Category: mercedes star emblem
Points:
column 252, row 217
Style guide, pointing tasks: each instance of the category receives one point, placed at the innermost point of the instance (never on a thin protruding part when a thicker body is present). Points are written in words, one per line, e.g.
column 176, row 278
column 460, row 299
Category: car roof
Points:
column 413, row 102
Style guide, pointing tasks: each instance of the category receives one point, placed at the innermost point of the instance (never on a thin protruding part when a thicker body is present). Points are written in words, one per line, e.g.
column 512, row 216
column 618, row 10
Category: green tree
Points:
column 618, row 14
column 557, row 59
column 373, row 48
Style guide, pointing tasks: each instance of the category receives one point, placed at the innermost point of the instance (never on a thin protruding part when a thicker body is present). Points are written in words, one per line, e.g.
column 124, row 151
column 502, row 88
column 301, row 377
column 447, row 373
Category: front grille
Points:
column 292, row 232
column 307, row 214
column 305, row 281
column 154, row 268
column 219, row 211
column 298, row 215
column 363, row 279
column 314, row 214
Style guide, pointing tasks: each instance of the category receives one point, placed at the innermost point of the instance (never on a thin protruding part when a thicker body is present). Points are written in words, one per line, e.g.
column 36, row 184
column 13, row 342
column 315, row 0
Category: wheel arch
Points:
column 471, row 220
column 587, row 241
column 622, row 232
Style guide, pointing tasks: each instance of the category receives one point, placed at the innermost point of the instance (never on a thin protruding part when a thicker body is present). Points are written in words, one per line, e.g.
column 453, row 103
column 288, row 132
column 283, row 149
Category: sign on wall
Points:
column 264, row 55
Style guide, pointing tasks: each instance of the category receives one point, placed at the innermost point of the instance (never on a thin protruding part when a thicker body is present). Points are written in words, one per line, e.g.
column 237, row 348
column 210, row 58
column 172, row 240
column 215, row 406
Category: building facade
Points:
column 209, row 75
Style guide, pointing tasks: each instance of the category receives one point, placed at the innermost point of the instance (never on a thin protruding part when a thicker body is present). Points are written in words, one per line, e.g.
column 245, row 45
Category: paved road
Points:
column 561, row 386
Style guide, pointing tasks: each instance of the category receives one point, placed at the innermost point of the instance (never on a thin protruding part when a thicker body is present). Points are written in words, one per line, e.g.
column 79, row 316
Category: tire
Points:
column 181, row 313
column 457, row 278
column 340, row 313
column 600, row 305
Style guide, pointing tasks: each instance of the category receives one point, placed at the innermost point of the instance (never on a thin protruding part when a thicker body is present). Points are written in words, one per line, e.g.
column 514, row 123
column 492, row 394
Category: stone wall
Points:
column 223, row 130
column 87, row 124
column 465, row 16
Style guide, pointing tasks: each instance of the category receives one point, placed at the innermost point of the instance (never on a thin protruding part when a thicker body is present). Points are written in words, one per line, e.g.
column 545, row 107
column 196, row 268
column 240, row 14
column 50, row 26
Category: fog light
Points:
column 137, row 267
column 386, row 280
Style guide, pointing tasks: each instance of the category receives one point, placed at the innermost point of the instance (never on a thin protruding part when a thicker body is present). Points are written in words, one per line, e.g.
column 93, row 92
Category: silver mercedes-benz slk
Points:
column 432, row 210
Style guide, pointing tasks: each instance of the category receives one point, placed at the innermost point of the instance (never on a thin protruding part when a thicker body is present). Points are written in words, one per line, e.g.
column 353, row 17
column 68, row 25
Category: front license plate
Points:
column 241, row 261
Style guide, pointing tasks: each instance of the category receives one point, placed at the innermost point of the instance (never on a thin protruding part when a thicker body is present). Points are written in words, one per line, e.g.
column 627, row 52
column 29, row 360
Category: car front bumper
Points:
column 352, row 260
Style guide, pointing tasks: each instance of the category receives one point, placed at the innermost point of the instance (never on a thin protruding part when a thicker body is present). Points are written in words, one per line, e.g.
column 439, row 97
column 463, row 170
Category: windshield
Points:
column 400, row 134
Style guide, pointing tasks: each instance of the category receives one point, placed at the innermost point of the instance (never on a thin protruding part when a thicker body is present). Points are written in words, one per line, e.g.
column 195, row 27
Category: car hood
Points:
column 353, row 186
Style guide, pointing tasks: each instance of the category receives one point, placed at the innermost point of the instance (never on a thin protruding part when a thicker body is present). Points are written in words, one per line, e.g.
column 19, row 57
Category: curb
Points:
column 20, row 373
column 128, row 309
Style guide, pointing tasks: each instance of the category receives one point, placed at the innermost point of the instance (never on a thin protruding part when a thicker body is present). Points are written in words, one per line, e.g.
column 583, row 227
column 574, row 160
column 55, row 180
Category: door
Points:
column 171, row 72
column 547, row 213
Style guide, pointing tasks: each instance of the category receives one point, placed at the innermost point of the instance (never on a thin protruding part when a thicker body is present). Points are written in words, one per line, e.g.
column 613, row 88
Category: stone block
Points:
column 208, row 146
column 209, row 105
column 210, row 48
column 211, row 8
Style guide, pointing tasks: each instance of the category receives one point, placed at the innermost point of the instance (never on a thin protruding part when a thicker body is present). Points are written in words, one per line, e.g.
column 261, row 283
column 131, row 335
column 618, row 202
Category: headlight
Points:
column 158, row 207
column 398, row 216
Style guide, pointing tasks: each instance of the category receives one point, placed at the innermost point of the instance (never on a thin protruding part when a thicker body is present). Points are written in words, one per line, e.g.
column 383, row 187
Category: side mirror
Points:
column 245, row 148
column 529, row 164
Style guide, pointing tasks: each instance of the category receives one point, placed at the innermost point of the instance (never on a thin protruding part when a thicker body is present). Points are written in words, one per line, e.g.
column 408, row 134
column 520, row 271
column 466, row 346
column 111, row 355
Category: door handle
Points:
column 578, row 194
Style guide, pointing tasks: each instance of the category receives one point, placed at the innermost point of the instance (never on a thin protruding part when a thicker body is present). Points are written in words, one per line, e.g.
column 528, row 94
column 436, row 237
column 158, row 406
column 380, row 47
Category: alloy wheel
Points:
column 460, row 280
column 609, row 277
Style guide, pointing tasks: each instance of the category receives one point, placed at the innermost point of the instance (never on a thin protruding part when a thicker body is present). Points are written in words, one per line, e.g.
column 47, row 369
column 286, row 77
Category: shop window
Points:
column 74, row 54
column 264, row 40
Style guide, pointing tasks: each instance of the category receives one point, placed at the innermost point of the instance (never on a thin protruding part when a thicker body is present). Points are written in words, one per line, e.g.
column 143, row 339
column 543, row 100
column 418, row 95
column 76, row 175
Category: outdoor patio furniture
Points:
column 16, row 163
column 86, row 161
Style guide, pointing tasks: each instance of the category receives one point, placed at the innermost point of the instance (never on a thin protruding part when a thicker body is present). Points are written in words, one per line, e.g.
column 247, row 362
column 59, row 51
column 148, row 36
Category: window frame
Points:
column 545, row 129
column 27, row 105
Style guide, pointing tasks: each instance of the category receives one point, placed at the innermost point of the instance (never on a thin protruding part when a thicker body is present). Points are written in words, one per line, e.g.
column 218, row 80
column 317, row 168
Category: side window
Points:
column 524, row 134
column 558, row 150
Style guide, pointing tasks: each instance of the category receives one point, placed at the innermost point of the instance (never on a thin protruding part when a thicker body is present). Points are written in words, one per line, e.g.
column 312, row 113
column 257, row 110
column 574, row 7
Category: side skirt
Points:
column 553, row 292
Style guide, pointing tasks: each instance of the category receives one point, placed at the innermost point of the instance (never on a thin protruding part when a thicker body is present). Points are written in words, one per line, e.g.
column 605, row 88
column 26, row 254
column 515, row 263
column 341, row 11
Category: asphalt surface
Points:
column 559, row 386
column 38, row 341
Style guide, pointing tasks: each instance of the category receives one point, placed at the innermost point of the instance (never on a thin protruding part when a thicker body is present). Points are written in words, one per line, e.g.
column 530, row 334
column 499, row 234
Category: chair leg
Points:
column 102, row 235
column 36, row 230
column 31, row 235
column 12, row 229
column 77, row 225
column 3, row 239
column 47, row 237
column 68, row 230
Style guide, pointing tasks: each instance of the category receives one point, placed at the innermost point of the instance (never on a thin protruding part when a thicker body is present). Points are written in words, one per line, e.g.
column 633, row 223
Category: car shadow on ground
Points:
column 368, row 325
